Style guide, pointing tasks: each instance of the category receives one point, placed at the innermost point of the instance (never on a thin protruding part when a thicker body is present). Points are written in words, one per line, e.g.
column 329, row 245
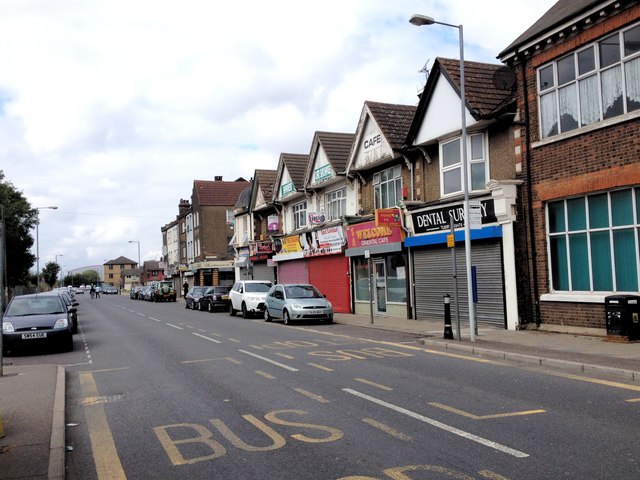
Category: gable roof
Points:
column 263, row 181
column 483, row 99
column 394, row 120
column 557, row 18
column 120, row 261
column 217, row 192
column 337, row 147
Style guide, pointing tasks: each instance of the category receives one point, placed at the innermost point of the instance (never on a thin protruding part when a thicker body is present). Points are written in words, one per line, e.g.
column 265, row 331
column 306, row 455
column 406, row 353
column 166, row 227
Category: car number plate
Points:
column 27, row 336
column 225, row 297
column 316, row 312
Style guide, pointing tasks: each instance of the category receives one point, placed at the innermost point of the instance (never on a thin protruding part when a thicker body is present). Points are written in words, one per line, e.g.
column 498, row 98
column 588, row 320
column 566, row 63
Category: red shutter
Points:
column 330, row 275
column 293, row 271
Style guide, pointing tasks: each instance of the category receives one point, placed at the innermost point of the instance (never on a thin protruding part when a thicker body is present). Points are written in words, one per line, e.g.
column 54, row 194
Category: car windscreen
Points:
column 35, row 306
column 199, row 290
column 302, row 291
column 257, row 287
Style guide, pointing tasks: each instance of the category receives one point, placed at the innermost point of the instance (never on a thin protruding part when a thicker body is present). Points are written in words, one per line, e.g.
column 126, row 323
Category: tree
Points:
column 20, row 219
column 50, row 273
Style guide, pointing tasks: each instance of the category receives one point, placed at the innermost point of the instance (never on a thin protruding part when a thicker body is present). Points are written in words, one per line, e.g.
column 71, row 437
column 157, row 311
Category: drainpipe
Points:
column 532, row 237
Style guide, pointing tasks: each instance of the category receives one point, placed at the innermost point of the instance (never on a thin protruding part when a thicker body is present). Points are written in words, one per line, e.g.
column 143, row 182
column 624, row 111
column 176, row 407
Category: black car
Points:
column 37, row 320
column 216, row 298
column 192, row 299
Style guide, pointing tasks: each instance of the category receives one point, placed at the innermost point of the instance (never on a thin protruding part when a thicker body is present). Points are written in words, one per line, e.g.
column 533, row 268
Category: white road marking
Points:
column 206, row 338
column 155, row 319
column 281, row 365
column 174, row 326
column 443, row 426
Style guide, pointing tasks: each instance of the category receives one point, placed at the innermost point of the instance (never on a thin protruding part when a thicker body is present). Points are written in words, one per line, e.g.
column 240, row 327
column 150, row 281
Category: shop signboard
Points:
column 316, row 218
column 388, row 216
column 368, row 234
column 438, row 219
column 260, row 251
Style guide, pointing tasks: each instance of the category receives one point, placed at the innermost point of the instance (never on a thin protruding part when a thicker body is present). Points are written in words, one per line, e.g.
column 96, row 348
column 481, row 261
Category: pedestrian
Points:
column 97, row 292
column 185, row 288
column 92, row 292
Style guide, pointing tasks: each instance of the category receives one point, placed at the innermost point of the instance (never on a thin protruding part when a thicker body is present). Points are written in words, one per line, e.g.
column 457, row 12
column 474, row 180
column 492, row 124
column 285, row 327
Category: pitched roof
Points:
column 483, row 98
column 296, row 166
column 394, row 120
column 218, row 192
column 337, row 147
column 560, row 13
column 244, row 198
column 266, row 180
column 120, row 261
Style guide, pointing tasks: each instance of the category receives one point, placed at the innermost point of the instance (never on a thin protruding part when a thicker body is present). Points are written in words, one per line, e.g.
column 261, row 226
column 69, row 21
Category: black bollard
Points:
column 448, row 331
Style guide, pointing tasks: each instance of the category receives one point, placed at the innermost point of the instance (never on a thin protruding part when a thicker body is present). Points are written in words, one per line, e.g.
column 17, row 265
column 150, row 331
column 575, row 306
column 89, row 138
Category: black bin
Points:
column 622, row 312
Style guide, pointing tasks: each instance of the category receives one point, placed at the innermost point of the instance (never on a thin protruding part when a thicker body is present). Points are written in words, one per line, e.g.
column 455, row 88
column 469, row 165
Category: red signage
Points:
column 368, row 234
column 388, row 216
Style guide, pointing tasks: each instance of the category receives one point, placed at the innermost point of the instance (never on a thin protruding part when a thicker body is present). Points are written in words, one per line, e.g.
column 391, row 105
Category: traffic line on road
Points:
column 608, row 383
column 206, row 338
column 265, row 375
column 141, row 314
column 633, row 400
column 284, row 355
column 155, row 319
column 313, row 396
column 484, row 417
column 373, row 384
column 320, row 367
column 268, row 360
column 174, row 326
column 386, row 429
column 456, row 431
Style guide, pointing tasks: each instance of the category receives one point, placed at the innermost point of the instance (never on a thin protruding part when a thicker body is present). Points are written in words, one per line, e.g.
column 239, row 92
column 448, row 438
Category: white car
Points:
column 247, row 296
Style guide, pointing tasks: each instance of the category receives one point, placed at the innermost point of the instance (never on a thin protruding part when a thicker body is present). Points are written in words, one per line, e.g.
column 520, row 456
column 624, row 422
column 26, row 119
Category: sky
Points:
column 110, row 109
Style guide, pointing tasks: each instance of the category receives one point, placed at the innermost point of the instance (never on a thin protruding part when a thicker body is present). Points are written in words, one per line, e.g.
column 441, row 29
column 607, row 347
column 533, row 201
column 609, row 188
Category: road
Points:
column 158, row 391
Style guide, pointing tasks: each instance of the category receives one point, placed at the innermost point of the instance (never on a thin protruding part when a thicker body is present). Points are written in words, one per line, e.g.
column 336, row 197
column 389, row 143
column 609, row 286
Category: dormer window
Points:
column 387, row 187
column 299, row 215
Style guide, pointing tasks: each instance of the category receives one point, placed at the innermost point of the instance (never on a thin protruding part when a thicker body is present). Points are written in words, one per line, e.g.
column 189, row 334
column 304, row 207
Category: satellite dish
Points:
column 504, row 78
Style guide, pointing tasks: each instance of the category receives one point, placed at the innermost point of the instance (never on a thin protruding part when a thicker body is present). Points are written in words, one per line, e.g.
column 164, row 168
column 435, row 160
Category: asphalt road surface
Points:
column 158, row 391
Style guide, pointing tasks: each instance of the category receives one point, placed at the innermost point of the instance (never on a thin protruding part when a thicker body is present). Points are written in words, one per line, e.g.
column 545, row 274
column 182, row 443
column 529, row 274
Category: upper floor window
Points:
column 595, row 83
column 451, row 164
column 593, row 242
column 299, row 215
column 336, row 203
column 387, row 187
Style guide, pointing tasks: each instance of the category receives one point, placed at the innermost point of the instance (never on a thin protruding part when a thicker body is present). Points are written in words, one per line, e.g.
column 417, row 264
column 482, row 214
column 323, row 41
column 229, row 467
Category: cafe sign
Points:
column 368, row 234
column 439, row 219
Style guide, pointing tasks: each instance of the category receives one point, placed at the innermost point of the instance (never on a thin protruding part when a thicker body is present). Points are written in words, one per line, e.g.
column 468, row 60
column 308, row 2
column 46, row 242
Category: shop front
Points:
column 316, row 257
column 378, row 268
column 219, row 272
column 261, row 267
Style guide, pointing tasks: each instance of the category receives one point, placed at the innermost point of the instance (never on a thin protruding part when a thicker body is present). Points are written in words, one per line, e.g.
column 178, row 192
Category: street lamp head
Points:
column 420, row 20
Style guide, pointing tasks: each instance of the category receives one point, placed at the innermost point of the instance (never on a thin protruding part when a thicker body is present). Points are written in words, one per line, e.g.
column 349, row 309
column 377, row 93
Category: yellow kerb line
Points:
column 483, row 417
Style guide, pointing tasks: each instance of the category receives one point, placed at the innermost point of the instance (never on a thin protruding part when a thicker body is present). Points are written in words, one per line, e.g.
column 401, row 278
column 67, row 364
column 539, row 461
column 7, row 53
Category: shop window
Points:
column 596, row 83
column 594, row 243
column 361, row 279
column 336, row 203
column 396, row 279
column 387, row 187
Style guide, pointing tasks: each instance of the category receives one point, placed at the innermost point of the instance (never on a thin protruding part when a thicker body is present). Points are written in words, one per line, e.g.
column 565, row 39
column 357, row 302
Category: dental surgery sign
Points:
column 427, row 221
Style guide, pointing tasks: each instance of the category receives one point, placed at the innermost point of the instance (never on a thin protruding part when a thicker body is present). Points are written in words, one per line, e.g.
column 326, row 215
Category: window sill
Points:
column 575, row 297
column 589, row 128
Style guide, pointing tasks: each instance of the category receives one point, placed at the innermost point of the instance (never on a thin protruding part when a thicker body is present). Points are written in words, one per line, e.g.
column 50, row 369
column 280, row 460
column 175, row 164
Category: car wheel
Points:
column 267, row 317
column 198, row 306
column 232, row 311
column 245, row 312
column 74, row 330
column 67, row 345
column 186, row 304
column 285, row 318
column 209, row 308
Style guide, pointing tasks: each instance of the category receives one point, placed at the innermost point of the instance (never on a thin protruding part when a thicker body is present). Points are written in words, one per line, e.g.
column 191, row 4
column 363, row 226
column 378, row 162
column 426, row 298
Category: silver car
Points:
column 291, row 302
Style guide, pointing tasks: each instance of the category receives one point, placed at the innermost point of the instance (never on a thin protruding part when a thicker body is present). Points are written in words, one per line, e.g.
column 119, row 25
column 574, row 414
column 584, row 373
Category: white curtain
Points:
column 589, row 105
column 568, row 98
column 632, row 74
column 611, row 89
column 548, row 115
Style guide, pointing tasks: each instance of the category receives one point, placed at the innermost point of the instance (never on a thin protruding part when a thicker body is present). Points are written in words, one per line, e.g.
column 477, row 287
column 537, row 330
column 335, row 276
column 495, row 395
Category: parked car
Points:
column 133, row 294
column 193, row 297
column 247, row 296
column 163, row 291
column 36, row 320
column 216, row 298
column 72, row 306
column 147, row 293
column 291, row 302
column 110, row 290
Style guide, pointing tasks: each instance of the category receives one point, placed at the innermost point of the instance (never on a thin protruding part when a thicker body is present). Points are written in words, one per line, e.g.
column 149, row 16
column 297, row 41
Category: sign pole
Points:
column 451, row 243
column 367, row 255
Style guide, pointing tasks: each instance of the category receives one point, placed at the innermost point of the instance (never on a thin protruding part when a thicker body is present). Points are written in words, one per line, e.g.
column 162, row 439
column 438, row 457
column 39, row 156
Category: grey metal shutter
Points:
column 433, row 278
column 263, row 272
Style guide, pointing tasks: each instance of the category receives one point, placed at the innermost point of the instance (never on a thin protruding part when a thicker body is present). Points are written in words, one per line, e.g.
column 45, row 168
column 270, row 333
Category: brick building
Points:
column 578, row 75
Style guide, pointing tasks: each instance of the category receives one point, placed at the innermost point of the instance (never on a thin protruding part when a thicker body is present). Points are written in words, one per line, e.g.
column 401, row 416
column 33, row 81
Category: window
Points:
column 595, row 83
column 451, row 164
column 593, row 242
column 336, row 204
column 387, row 187
column 299, row 215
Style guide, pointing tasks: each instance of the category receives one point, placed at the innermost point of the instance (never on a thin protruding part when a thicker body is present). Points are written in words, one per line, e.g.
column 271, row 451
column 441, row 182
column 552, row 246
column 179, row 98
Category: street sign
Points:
column 475, row 215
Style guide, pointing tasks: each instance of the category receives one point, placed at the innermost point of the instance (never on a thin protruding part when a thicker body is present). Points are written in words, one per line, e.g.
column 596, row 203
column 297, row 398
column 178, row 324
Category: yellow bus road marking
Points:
column 386, row 429
column 106, row 370
column 201, row 360
column 633, row 400
column 206, row 338
column 265, row 375
column 634, row 388
column 484, row 417
column 257, row 347
column 102, row 399
column 373, row 384
column 312, row 396
column 174, row 326
column 191, row 327
column 284, row 355
column 103, row 447
column 233, row 360
column 215, row 334
column 234, row 340
column 434, row 423
column 321, row 367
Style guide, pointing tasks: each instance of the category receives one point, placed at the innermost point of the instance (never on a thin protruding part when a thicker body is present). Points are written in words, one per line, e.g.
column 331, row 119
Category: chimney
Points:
column 218, row 178
column 183, row 207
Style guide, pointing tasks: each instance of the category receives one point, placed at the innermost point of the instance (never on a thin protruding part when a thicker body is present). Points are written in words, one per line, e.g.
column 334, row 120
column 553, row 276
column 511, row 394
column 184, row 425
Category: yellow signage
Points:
column 451, row 240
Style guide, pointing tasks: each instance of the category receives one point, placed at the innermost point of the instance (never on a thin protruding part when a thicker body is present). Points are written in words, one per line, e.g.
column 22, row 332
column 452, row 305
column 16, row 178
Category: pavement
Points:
column 32, row 398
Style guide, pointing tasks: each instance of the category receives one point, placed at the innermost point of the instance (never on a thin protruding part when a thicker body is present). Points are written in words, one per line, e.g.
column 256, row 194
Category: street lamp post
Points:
column 420, row 20
column 58, row 255
column 37, row 209
column 138, row 242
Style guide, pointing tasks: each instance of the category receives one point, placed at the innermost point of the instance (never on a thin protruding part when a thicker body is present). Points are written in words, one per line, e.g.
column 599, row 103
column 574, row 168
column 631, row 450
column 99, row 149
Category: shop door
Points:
column 330, row 274
column 293, row 271
column 380, row 282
